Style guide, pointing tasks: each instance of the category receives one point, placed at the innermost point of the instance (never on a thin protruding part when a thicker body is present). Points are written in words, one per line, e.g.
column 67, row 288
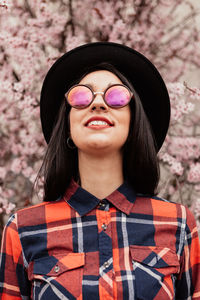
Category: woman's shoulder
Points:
column 164, row 208
column 41, row 213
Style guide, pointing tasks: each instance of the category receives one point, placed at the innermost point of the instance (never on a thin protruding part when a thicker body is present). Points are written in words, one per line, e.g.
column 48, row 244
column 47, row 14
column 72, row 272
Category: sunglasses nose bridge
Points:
column 95, row 93
column 96, row 97
column 98, row 101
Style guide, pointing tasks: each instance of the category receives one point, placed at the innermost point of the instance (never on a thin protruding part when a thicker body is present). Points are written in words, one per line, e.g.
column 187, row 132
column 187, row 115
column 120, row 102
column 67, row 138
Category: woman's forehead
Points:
column 100, row 77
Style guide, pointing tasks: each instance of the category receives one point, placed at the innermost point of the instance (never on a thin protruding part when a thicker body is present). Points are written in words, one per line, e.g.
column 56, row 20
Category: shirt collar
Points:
column 83, row 202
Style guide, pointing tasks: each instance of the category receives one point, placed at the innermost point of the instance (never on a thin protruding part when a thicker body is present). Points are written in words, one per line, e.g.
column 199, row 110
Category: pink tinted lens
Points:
column 79, row 96
column 117, row 96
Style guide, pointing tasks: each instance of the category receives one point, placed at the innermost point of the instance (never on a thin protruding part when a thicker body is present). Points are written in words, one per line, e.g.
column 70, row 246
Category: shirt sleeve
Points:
column 14, row 283
column 188, row 281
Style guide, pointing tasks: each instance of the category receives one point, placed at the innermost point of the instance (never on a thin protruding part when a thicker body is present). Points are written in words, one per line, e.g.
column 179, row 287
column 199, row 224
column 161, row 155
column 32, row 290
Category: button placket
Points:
column 105, row 239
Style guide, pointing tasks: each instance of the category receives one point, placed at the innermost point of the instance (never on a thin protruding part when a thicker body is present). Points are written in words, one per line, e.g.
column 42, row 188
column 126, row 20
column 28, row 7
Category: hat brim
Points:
column 143, row 75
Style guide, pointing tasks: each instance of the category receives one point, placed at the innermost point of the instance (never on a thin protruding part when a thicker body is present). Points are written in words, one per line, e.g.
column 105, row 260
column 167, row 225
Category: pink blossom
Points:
column 195, row 93
column 194, row 173
column 5, row 206
column 196, row 210
column 2, row 172
column 16, row 166
column 5, row 4
column 27, row 171
column 175, row 166
column 197, row 187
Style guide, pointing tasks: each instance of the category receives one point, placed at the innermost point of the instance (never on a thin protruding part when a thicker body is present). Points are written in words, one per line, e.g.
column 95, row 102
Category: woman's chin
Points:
column 92, row 145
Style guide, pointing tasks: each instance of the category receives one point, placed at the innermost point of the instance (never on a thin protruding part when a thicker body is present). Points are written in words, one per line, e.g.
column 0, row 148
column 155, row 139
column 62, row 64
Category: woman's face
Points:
column 90, row 138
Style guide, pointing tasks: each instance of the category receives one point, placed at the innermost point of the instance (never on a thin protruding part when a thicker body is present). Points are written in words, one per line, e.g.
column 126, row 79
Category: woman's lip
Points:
column 98, row 118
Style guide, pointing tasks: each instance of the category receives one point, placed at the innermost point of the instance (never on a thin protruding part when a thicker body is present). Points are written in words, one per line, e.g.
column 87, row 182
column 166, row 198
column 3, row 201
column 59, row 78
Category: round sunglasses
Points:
column 115, row 96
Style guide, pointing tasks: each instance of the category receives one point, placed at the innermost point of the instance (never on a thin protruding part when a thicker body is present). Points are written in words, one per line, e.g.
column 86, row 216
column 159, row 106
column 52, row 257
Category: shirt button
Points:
column 104, row 226
column 106, row 264
column 57, row 269
column 101, row 204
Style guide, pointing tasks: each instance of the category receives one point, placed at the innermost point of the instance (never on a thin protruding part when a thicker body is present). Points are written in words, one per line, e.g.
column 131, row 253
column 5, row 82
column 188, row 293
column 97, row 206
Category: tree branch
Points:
column 27, row 6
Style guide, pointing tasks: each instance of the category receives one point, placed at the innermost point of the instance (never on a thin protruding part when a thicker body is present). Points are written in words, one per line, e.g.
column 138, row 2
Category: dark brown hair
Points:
column 140, row 163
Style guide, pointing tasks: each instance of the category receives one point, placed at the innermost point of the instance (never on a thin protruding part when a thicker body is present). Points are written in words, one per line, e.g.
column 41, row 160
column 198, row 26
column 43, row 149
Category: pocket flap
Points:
column 156, row 257
column 56, row 265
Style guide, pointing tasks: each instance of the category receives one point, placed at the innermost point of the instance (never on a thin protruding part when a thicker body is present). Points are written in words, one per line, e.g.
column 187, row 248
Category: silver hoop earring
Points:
column 70, row 143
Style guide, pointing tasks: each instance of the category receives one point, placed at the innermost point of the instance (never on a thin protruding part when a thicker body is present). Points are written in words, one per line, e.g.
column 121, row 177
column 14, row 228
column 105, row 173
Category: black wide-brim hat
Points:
column 143, row 75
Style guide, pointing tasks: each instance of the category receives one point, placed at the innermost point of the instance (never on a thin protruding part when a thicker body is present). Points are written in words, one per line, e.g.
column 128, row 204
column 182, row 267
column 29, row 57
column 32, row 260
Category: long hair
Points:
column 140, row 163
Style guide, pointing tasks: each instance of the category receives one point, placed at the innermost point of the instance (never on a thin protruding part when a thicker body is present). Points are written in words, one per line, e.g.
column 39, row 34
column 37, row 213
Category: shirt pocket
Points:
column 57, row 277
column 154, row 270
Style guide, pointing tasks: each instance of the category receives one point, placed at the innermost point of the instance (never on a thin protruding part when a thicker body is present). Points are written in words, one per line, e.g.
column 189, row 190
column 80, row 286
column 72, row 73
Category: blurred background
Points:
column 34, row 33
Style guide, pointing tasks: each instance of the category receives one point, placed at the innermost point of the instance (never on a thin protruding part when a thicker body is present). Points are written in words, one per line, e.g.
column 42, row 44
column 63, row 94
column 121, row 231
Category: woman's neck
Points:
column 100, row 175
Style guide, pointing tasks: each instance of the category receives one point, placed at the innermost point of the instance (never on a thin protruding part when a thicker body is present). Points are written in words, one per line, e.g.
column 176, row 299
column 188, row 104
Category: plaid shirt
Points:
column 126, row 246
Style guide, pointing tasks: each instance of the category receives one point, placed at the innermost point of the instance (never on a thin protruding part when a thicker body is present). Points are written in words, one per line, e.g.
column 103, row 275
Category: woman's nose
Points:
column 98, row 103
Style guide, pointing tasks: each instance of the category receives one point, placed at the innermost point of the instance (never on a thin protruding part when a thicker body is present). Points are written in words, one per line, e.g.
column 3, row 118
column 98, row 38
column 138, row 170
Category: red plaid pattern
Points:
column 126, row 246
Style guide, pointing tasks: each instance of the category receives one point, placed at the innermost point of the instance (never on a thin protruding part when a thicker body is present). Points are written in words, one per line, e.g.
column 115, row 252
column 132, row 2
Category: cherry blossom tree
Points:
column 33, row 34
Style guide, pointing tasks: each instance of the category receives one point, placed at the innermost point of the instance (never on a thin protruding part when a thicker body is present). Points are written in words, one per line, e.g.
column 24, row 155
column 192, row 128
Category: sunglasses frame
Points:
column 102, row 93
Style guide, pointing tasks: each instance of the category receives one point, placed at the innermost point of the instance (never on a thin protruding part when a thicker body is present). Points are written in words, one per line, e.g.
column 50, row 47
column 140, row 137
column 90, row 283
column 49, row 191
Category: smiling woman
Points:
column 101, row 232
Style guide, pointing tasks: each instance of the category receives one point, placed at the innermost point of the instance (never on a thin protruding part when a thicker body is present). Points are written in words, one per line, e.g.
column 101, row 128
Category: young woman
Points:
column 101, row 233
